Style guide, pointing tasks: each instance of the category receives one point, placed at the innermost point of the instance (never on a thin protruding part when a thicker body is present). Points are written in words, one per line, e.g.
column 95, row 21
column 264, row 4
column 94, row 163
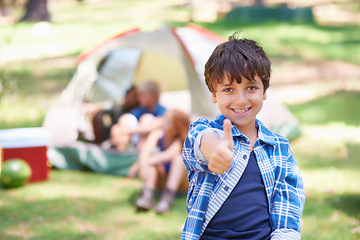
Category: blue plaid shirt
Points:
column 208, row 191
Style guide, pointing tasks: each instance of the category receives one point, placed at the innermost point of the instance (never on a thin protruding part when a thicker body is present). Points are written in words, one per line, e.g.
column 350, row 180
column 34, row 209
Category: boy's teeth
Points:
column 241, row 111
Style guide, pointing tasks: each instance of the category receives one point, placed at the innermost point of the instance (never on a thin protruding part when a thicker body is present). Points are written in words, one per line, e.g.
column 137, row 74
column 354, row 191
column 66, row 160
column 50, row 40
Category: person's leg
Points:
column 99, row 128
column 176, row 179
column 176, row 174
column 118, row 135
column 150, row 177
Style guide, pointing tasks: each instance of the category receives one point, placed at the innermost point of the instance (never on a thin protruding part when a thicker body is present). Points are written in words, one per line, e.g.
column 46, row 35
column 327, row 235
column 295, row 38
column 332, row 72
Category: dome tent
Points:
column 172, row 56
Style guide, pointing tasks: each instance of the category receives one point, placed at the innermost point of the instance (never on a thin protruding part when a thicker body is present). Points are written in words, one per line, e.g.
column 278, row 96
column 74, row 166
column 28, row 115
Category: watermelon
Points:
column 15, row 173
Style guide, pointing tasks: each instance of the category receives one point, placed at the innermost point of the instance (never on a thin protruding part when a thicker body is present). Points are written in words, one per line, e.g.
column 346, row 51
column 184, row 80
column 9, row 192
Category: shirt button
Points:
column 226, row 188
column 244, row 157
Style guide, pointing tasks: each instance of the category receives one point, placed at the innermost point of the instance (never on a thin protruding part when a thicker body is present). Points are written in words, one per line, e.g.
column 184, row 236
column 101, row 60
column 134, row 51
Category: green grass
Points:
column 328, row 154
column 342, row 107
column 83, row 205
column 298, row 41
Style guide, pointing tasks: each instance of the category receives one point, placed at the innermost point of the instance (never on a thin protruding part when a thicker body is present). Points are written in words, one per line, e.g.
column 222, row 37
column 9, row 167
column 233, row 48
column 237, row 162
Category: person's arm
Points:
column 218, row 151
column 288, row 201
column 147, row 149
column 156, row 123
column 199, row 145
column 165, row 156
column 91, row 108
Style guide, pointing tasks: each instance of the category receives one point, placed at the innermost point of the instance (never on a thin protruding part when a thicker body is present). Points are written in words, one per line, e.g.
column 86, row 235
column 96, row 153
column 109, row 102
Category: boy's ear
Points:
column 213, row 97
column 264, row 96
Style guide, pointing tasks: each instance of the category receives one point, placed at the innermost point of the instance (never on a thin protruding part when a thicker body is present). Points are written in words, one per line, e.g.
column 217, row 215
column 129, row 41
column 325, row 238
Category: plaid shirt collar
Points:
column 264, row 134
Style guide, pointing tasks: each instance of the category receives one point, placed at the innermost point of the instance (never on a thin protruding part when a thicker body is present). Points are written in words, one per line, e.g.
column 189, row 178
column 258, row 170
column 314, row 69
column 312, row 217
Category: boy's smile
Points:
column 240, row 102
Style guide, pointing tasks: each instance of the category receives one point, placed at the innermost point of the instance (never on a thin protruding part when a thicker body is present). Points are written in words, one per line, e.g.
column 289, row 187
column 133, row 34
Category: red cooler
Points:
column 29, row 144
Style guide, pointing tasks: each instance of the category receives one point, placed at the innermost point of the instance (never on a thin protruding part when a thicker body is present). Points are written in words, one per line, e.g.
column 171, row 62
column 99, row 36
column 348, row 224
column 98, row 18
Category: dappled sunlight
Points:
column 71, row 191
column 30, row 115
column 330, row 224
column 338, row 107
column 332, row 135
column 22, row 230
column 328, row 146
column 84, row 205
column 327, row 153
column 330, row 181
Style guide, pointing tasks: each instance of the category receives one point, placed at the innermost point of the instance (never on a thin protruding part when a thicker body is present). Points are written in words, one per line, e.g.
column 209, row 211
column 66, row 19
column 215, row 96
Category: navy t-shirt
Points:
column 244, row 214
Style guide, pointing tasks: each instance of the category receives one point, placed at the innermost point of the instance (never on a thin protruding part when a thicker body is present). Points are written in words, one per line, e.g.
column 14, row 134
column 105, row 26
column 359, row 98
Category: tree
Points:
column 260, row 2
column 36, row 10
column 4, row 7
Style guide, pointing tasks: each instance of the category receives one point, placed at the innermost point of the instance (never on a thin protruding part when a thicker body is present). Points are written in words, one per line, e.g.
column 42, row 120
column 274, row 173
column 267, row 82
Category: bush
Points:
column 259, row 14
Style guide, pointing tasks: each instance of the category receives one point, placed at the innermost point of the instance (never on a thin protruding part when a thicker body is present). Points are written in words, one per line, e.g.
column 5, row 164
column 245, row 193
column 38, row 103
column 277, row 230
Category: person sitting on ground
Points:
column 165, row 166
column 127, row 131
column 103, row 119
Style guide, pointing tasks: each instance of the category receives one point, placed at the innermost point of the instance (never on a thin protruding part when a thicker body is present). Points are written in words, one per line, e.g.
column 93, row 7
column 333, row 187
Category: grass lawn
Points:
column 83, row 205
column 328, row 155
column 36, row 65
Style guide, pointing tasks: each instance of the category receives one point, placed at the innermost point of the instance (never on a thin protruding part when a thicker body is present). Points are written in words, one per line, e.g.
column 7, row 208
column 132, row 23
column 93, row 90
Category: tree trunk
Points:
column 4, row 7
column 260, row 2
column 36, row 10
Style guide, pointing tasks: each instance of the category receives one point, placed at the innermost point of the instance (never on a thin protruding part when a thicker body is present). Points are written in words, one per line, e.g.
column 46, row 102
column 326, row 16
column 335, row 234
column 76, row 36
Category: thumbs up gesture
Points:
column 228, row 138
column 219, row 152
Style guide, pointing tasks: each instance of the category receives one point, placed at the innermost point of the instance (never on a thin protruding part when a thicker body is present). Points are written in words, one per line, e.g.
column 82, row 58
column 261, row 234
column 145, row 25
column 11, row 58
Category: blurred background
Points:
column 314, row 46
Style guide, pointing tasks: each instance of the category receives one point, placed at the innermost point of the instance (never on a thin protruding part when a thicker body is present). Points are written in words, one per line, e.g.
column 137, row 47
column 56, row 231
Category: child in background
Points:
column 244, row 180
column 160, row 162
column 104, row 119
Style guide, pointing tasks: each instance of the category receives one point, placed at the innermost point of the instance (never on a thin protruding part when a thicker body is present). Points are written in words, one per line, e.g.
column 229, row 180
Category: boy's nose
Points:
column 240, row 98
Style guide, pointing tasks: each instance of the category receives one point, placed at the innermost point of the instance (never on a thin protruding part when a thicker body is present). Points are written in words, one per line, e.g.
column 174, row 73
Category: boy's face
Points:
column 240, row 102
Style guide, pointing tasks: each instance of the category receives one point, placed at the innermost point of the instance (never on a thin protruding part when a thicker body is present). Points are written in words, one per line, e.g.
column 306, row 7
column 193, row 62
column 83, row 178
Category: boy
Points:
column 244, row 181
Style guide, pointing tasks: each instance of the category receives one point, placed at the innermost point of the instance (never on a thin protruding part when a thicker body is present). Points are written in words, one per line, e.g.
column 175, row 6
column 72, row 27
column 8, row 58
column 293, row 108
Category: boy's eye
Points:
column 252, row 88
column 227, row 90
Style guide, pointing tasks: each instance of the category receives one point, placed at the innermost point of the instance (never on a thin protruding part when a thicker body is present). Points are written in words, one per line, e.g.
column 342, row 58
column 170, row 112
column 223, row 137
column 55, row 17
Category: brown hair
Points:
column 178, row 128
column 237, row 58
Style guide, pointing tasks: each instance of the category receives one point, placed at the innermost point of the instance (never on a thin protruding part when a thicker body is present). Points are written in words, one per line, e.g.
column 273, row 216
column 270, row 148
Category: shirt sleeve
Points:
column 285, row 234
column 137, row 112
column 288, row 199
column 192, row 156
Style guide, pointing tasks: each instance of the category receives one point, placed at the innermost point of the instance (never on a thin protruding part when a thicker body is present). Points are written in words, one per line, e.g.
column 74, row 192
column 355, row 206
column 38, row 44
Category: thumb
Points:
column 228, row 133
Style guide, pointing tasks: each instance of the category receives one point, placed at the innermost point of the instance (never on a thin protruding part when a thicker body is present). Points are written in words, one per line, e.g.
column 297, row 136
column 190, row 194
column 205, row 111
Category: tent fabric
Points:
column 174, row 57
column 89, row 157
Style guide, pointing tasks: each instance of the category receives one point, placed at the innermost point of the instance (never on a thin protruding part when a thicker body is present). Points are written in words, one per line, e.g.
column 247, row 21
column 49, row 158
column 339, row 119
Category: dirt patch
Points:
column 60, row 62
column 305, row 81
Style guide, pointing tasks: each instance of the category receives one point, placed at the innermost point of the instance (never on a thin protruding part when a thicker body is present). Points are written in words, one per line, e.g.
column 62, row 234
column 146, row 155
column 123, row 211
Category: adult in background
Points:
column 132, row 127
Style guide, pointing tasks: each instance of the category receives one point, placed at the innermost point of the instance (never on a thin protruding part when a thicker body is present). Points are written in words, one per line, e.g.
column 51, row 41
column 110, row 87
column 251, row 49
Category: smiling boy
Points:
column 244, row 180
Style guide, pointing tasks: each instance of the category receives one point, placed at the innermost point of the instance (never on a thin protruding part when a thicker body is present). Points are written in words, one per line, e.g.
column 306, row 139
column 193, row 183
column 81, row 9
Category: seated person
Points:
column 103, row 119
column 128, row 130
column 160, row 163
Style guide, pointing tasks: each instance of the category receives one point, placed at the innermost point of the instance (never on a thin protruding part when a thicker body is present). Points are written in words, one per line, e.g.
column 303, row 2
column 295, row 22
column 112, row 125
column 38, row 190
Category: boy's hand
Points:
column 222, row 154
